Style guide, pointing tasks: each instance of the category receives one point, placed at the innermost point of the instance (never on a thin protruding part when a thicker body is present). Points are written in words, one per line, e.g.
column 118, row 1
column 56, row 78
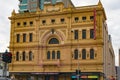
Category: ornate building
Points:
column 51, row 44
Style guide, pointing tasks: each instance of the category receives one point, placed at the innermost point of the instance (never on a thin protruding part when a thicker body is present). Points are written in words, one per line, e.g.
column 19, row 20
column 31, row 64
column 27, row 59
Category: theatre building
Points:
column 54, row 40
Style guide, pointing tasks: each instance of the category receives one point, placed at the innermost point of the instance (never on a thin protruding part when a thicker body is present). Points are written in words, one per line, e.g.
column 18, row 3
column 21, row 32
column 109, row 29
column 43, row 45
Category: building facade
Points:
column 51, row 44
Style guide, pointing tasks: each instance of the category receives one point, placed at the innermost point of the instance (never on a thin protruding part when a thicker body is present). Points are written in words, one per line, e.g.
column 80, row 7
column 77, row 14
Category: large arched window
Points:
column 23, row 56
column 83, row 54
column 53, row 41
column 30, row 56
column 91, row 53
column 76, row 54
column 17, row 56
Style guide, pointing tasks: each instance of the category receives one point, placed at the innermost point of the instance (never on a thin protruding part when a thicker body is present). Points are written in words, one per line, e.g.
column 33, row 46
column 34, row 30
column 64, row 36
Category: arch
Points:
column 46, row 35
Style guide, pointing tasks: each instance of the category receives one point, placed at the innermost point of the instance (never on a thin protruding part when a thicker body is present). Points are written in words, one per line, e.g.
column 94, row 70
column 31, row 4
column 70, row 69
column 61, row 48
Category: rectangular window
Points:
column 58, row 54
column 53, row 54
column 24, row 37
column 30, row 37
column 48, row 55
column 83, row 34
column 18, row 38
column 84, row 18
column 76, row 34
column 91, row 33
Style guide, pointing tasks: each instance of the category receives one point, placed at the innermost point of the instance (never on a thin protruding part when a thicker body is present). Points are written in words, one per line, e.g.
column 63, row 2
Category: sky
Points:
column 112, row 9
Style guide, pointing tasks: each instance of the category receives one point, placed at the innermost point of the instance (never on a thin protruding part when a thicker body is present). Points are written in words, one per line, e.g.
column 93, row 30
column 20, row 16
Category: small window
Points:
column 31, row 23
column 76, row 19
column 62, row 20
column 84, row 18
column 18, row 24
column 43, row 21
column 91, row 17
column 53, row 21
column 24, row 23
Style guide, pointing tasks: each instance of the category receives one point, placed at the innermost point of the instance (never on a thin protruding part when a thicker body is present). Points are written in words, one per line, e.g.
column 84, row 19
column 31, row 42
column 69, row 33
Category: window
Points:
column 24, row 23
column 18, row 24
column 17, row 56
column 31, row 23
column 53, row 54
column 24, row 37
column 53, row 21
column 83, row 18
column 83, row 34
column 48, row 55
column 23, row 56
column 58, row 54
column 18, row 38
column 91, row 53
column 30, row 37
column 83, row 54
column 76, row 34
column 53, row 41
column 76, row 19
column 62, row 20
column 76, row 54
column 91, row 33
column 30, row 56
column 43, row 21
column 91, row 17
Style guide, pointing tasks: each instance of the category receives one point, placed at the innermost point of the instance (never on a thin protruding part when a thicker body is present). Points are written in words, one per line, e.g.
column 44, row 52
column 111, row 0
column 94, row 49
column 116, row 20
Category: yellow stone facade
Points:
column 35, row 56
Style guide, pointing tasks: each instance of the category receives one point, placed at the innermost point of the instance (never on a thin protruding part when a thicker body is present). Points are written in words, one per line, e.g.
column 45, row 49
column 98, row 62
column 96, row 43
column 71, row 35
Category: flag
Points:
column 94, row 24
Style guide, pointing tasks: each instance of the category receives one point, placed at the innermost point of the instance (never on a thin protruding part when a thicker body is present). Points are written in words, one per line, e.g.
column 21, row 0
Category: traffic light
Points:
column 7, row 57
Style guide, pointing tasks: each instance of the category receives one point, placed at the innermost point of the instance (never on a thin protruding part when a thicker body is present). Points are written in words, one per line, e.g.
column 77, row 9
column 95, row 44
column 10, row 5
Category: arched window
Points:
column 91, row 53
column 58, row 54
column 30, row 56
column 76, row 54
column 48, row 55
column 53, row 54
column 53, row 41
column 17, row 56
column 83, row 54
column 23, row 56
